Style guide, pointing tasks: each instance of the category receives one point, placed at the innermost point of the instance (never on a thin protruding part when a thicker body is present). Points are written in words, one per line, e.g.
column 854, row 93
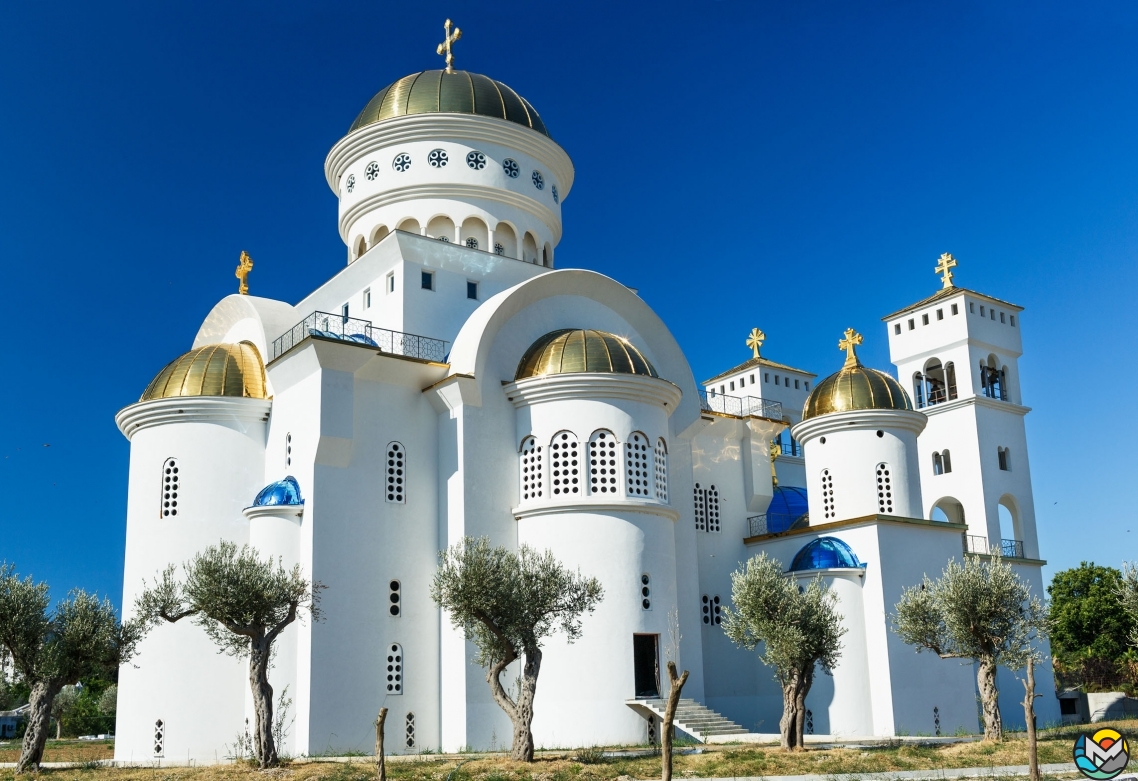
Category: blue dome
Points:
column 787, row 506
column 286, row 492
column 825, row 553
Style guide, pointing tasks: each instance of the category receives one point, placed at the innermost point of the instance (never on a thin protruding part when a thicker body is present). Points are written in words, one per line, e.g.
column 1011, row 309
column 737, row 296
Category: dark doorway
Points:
column 647, row 661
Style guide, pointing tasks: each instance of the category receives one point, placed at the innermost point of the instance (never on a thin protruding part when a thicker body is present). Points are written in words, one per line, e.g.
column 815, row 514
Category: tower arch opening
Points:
column 378, row 235
column 947, row 510
column 410, row 225
column 529, row 248
column 505, row 240
column 1011, row 531
column 441, row 227
column 359, row 247
column 475, row 234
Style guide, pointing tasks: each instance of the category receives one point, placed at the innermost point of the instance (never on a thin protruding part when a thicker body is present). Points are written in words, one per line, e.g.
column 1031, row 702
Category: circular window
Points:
column 443, row 238
column 538, row 180
column 499, row 249
column 476, row 160
column 510, row 166
column 556, row 199
column 372, row 170
column 437, row 158
column 880, row 434
column 351, row 182
column 401, row 163
column 472, row 243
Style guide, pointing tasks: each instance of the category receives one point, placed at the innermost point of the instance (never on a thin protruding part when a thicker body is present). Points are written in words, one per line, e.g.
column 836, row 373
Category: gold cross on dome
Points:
column 755, row 340
column 943, row 264
column 446, row 44
column 853, row 338
column 244, row 266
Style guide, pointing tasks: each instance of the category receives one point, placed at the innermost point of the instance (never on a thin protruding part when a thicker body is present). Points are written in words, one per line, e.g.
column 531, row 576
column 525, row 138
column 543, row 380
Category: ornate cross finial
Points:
column 853, row 338
column 244, row 266
column 943, row 264
column 446, row 44
column 755, row 340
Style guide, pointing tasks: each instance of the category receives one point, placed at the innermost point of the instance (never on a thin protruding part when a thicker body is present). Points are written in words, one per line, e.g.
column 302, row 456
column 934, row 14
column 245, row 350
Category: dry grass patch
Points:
column 63, row 750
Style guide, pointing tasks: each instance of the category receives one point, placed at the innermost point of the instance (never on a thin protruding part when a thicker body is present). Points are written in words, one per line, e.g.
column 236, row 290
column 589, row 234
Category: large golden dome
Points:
column 855, row 387
column 442, row 92
column 574, row 350
column 212, row 370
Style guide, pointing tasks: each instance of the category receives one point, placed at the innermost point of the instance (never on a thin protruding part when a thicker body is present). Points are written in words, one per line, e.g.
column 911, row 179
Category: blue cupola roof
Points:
column 825, row 553
column 787, row 506
column 282, row 492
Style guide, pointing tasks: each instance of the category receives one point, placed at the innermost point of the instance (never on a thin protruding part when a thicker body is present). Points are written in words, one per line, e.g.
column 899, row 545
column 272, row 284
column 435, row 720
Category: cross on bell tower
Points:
column 849, row 343
column 446, row 44
column 943, row 265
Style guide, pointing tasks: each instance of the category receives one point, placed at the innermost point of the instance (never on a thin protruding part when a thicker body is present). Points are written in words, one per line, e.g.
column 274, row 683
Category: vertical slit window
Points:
column 409, row 731
column 602, row 463
column 700, row 508
column 884, row 489
column 636, row 480
column 531, row 471
column 564, row 464
column 661, row 468
column 712, row 509
column 645, row 591
column 396, row 474
column 828, row 508
column 395, row 669
column 171, row 483
column 394, row 599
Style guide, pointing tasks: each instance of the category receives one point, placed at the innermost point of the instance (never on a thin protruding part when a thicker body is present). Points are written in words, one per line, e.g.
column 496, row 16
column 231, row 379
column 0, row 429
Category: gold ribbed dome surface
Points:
column 442, row 92
column 212, row 370
column 572, row 350
column 854, row 388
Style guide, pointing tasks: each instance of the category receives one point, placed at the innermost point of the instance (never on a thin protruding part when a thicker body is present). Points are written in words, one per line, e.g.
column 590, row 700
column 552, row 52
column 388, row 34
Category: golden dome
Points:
column 855, row 387
column 572, row 350
column 212, row 370
column 457, row 92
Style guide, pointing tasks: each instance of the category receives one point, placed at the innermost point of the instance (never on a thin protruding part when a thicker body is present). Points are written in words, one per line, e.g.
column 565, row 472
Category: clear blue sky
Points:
column 793, row 166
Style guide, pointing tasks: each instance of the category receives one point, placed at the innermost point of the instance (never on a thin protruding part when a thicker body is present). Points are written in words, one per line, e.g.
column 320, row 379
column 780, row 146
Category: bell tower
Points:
column 957, row 353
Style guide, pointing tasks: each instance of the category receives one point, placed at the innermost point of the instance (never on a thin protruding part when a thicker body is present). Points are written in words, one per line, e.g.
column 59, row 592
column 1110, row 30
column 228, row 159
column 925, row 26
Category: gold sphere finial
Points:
column 943, row 265
column 851, row 340
column 446, row 44
column 244, row 266
column 755, row 340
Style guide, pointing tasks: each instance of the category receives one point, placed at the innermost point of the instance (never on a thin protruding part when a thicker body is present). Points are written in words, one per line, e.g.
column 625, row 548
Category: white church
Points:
column 452, row 380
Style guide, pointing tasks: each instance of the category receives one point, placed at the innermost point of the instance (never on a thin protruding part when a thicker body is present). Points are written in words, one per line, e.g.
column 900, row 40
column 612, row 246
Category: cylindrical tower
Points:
column 859, row 431
column 197, row 448
column 592, row 418
column 456, row 156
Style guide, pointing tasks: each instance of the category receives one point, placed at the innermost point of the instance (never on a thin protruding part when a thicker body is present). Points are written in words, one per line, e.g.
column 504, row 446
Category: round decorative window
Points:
column 556, row 198
column 372, row 170
column 401, row 162
column 472, row 243
column 351, row 182
column 499, row 249
column 476, row 160
column 538, row 180
column 437, row 158
column 443, row 238
column 510, row 166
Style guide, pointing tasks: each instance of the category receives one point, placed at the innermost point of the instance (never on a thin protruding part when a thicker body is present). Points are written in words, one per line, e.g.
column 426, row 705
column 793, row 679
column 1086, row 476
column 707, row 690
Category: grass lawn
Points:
column 716, row 762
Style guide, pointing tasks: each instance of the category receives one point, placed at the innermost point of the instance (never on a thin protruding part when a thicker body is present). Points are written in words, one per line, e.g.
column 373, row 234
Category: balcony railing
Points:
column 1009, row 549
column 740, row 407
column 773, row 523
column 975, row 544
column 354, row 331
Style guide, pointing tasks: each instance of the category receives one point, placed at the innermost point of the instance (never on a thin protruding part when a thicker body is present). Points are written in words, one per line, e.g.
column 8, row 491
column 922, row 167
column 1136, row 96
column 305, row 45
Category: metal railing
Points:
column 1009, row 549
column 975, row 544
column 773, row 523
column 740, row 407
column 348, row 329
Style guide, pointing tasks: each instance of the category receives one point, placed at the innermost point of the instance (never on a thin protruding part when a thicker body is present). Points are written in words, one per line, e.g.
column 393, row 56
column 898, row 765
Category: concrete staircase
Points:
column 695, row 719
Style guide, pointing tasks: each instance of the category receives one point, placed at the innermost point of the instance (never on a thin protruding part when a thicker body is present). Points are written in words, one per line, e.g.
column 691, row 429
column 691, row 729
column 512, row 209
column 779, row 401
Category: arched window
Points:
column 361, row 246
column 938, row 464
column 507, row 239
column 531, row 474
column 379, row 234
column 884, row 489
column 947, row 459
column 661, row 467
column 564, row 464
column 396, row 474
column 395, row 669
column 410, row 225
column 636, row 473
column 950, row 379
column 712, row 508
column 1004, row 459
column 171, row 481
column 935, row 389
column 441, row 227
column 919, row 390
column 828, row 508
column 602, row 463
column 993, row 379
column 700, row 508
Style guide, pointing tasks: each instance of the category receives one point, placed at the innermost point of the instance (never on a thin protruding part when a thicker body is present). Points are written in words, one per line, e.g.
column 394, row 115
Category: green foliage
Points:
column 798, row 628
column 13, row 694
column 1128, row 595
column 1089, row 628
column 84, row 716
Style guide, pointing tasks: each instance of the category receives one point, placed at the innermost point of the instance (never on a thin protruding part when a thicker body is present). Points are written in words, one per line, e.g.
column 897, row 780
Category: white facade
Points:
column 402, row 446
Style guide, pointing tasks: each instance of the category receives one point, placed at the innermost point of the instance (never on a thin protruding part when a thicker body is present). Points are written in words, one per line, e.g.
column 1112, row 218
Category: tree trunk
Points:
column 668, row 730
column 263, row 744
column 58, row 728
column 39, row 721
column 989, row 700
column 788, row 724
column 806, row 678
column 380, row 765
column 523, row 712
column 1029, row 716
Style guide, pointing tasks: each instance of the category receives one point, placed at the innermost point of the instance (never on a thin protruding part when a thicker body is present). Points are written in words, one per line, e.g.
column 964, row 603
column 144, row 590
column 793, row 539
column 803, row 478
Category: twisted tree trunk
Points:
column 39, row 722
column 263, row 745
column 1029, row 715
column 523, row 713
column 668, row 731
column 989, row 700
column 380, row 764
column 805, row 680
column 788, row 724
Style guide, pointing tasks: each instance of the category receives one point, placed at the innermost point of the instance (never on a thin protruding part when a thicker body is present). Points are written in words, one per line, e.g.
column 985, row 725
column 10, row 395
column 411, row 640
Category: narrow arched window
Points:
column 712, row 508
column 636, row 474
column 946, row 457
column 884, row 489
column 700, row 498
column 950, row 379
column 395, row 669
column 171, row 482
column 661, row 467
column 938, row 464
column 602, row 463
column 531, row 469
column 828, row 508
column 396, row 474
column 1005, row 461
column 919, row 389
column 564, row 465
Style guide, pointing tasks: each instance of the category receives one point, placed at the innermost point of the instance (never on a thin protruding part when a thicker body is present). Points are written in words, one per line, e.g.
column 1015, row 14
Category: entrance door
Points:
column 647, row 660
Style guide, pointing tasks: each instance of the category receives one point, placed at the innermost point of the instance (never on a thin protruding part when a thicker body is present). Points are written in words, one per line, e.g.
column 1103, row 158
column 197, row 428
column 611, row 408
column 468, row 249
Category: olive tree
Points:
column 800, row 629
column 1128, row 595
column 506, row 603
column 980, row 611
column 243, row 603
column 81, row 637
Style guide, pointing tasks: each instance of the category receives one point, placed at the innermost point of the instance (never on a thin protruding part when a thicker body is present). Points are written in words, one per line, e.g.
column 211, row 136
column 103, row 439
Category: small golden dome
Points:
column 855, row 387
column 574, row 350
column 442, row 92
column 212, row 370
